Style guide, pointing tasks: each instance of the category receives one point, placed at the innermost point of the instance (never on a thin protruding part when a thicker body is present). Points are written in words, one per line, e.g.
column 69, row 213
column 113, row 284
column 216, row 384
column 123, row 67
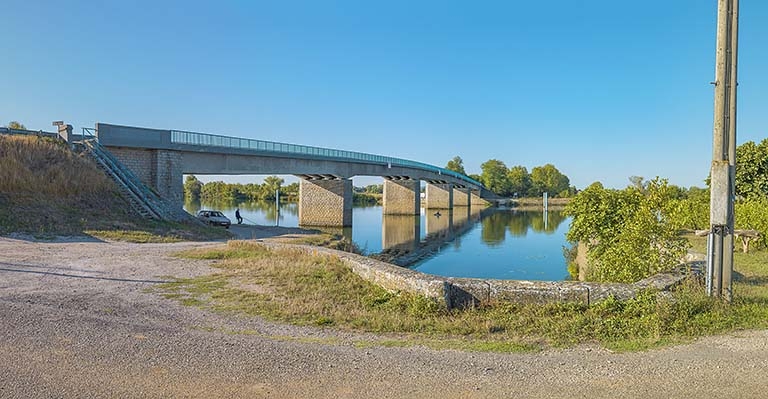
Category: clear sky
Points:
column 602, row 89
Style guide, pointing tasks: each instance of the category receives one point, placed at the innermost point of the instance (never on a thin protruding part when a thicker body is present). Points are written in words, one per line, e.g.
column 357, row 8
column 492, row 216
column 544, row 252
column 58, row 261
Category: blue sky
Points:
column 602, row 89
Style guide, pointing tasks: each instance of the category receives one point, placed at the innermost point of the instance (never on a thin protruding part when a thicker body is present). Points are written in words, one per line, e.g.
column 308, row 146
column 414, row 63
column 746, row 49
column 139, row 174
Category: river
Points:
column 488, row 243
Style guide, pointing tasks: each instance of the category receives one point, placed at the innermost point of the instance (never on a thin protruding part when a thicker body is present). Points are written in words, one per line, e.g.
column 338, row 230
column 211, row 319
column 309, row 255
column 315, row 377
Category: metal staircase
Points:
column 141, row 198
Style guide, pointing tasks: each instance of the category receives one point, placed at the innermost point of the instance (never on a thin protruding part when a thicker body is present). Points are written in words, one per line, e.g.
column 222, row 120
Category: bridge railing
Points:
column 193, row 138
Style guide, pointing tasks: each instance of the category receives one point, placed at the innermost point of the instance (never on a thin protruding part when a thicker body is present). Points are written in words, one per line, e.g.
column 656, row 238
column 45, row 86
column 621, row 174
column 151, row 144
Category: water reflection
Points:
column 403, row 245
column 400, row 232
column 256, row 212
column 505, row 244
column 518, row 223
column 463, row 242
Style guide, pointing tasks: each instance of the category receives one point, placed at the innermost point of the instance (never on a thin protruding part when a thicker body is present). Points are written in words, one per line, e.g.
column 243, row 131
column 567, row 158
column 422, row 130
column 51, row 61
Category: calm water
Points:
column 492, row 243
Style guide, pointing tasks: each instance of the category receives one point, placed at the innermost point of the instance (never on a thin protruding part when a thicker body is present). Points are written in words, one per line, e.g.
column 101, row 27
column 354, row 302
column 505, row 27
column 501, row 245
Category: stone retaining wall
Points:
column 462, row 292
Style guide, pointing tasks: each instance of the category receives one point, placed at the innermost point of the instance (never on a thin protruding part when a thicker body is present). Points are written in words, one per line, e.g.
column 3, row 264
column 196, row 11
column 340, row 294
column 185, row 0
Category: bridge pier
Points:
column 169, row 178
column 475, row 199
column 439, row 196
column 461, row 196
column 325, row 202
column 401, row 196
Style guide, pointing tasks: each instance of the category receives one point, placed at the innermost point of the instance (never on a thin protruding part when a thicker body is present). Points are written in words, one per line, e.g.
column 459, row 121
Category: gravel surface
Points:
column 79, row 319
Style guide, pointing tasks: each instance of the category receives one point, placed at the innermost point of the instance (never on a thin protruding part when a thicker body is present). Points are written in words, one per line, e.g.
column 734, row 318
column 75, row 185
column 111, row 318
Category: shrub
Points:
column 629, row 233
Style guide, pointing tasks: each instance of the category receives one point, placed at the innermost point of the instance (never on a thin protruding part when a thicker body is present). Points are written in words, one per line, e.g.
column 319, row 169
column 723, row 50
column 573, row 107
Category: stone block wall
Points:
column 169, row 178
column 439, row 196
column 475, row 199
column 461, row 197
column 140, row 162
column 402, row 197
column 325, row 202
column 462, row 292
column 158, row 169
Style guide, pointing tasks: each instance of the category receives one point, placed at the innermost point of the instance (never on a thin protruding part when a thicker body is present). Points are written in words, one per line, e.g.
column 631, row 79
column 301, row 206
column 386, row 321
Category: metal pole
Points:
column 720, row 243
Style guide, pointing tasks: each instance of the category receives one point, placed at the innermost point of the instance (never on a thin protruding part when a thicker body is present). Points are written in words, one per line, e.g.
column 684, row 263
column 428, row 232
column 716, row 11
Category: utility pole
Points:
column 723, row 172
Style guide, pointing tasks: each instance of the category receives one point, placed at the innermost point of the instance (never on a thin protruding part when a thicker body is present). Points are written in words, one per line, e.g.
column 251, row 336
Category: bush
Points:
column 751, row 214
column 629, row 233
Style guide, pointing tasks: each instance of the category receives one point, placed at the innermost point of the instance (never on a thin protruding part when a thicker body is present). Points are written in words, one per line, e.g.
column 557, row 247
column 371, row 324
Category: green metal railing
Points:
column 193, row 138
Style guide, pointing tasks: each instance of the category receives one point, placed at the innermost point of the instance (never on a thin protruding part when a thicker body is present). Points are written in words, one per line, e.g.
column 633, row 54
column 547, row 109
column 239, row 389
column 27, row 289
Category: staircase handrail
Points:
column 128, row 181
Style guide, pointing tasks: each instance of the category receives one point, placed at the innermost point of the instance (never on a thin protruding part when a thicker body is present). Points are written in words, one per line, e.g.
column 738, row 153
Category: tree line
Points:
column 517, row 181
column 216, row 191
column 195, row 190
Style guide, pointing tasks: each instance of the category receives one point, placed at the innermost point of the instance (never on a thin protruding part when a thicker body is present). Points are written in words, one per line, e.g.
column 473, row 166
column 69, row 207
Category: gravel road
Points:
column 79, row 320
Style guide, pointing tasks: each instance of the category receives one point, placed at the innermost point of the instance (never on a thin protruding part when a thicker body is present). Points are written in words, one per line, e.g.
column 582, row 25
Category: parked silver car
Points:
column 214, row 218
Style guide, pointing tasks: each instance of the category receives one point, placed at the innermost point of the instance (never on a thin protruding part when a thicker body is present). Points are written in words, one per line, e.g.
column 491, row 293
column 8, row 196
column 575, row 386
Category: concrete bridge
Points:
column 160, row 158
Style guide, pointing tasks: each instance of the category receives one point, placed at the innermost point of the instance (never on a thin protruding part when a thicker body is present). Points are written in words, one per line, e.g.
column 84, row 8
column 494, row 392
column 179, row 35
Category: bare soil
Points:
column 78, row 318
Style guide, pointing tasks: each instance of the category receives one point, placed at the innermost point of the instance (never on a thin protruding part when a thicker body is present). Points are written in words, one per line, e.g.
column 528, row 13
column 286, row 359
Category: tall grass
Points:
column 32, row 166
column 47, row 189
column 292, row 286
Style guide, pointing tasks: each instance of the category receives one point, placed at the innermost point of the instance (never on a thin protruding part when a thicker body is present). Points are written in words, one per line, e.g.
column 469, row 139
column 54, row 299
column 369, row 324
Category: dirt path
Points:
column 77, row 320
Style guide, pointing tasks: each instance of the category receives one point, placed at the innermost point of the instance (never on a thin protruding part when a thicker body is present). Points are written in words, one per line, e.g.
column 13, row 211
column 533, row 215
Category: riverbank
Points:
column 533, row 204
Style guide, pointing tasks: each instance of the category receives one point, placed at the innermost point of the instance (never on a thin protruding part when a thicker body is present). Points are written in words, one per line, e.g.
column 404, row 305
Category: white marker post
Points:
column 277, row 207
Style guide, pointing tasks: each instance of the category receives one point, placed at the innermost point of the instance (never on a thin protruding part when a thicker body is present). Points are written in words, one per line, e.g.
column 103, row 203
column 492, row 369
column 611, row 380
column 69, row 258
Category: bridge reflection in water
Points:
column 494, row 238
column 466, row 242
column 401, row 239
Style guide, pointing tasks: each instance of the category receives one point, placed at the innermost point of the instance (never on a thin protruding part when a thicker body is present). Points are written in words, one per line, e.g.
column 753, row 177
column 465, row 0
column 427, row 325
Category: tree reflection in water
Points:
column 264, row 211
column 496, row 225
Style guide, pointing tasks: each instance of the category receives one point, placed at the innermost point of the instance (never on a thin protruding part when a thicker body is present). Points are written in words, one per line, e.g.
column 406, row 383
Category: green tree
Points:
column 270, row 186
column 192, row 188
column 519, row 180
column 548, row 179
column 457, row 165
column 690, row 213
column 752, row 169
column 218, row 191
column 495, row 176
column 374, row 189
column 16, row 125
column 629, row 233
column 290, row 191
column 638, row 182
column 751, row 214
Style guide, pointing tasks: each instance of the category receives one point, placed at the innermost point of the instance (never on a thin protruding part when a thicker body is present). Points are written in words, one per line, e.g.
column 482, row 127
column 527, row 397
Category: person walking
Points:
column 238, row 217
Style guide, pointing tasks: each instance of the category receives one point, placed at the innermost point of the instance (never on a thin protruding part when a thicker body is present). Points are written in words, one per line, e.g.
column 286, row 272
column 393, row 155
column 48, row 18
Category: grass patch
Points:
column 153, row 231
column 329, row 240
column 291, row 286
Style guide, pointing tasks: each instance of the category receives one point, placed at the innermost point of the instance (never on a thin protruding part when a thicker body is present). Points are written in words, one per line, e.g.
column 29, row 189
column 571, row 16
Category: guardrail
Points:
column 194, row 138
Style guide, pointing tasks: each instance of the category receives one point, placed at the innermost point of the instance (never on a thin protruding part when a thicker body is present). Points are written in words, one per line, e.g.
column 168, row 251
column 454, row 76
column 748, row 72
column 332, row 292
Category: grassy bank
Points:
column 289, row 286
column 48, row 190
